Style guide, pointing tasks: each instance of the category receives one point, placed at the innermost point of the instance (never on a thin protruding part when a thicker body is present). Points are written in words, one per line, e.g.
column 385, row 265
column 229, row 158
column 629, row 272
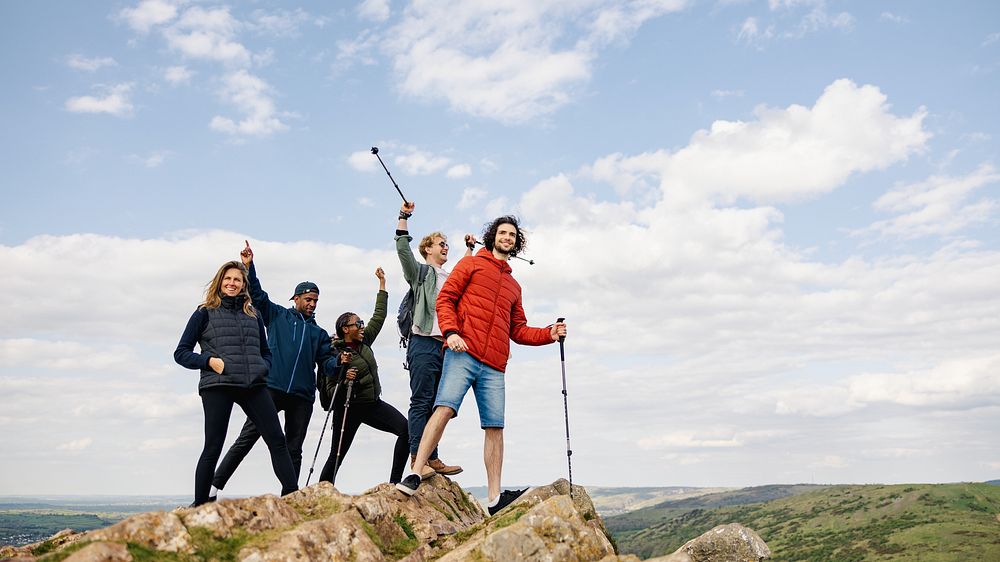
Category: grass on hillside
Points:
column 921, row 522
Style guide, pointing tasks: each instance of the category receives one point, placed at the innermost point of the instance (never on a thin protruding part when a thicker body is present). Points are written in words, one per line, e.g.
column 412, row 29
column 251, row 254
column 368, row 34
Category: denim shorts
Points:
column 462, row 371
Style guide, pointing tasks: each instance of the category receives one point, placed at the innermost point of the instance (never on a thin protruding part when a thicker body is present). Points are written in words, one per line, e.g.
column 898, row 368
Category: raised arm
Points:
column 258, row 296
column 406, row 258
column 374, row 325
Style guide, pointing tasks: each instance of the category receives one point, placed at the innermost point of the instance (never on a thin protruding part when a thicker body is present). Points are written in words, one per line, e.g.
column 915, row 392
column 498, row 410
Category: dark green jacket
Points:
column 367, row 387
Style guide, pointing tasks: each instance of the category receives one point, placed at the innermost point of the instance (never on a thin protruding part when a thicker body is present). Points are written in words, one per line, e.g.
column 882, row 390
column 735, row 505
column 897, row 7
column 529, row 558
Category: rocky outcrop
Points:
column 440, row 522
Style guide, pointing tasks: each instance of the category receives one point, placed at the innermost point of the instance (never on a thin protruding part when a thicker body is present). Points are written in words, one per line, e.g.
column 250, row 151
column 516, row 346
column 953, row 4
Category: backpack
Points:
column 404, row 318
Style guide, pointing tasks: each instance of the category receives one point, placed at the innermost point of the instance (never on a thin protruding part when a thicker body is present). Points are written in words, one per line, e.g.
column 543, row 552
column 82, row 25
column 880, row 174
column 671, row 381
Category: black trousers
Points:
column 379, row 415
column 256, row 403
column 297, row 410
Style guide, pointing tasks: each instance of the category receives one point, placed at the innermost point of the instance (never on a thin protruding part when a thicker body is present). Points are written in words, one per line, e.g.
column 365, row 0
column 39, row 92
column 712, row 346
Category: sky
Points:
column 771, row 226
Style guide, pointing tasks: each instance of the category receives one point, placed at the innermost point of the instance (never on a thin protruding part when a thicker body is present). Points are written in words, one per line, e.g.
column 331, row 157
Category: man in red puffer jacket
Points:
column 479, row 311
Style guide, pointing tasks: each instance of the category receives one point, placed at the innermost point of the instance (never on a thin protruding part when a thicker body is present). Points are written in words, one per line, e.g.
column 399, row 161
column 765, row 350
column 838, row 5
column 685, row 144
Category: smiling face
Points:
column 505, row 240
column 354, row 329
column 437, row 252
column 306, row 303
column 232, row 282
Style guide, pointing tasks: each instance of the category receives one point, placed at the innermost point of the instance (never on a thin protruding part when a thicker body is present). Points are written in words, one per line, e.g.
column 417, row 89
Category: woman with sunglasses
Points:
column 365, row 407
column 233, row 358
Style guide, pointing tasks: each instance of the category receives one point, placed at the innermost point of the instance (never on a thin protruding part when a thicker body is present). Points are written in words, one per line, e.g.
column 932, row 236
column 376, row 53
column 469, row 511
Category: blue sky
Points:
column 771, row 225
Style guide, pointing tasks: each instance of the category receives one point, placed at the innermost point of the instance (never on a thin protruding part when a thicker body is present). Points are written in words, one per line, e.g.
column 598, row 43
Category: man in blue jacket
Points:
column 298, row 348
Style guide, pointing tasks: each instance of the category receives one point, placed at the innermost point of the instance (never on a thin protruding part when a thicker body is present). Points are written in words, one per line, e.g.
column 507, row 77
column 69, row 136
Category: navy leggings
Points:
column 257, row 405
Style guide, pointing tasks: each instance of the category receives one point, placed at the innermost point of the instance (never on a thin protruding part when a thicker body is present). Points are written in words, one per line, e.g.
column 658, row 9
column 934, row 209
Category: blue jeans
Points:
column 424, row 354
column 461, row 372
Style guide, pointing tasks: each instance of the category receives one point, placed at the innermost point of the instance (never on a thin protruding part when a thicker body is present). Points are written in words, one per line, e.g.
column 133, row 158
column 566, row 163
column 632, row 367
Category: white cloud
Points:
column 503, row 62
column 722, row 94
column 149, row 13
column 937, row 206
column 783, row 155
column 166, row 443
column 208, row 34
column 280, row 23
column 420, row 163
column 893, row 18
column 252, row 96
column 363, row 161
column 374, row 10
column 459, row 171
column 366, row 202
column 155, row 159
column 115, row 101
column 751, row 33
column 178, row 74
column 81, row 62
column 471, row 196
column 991, row 39
column 76, row 444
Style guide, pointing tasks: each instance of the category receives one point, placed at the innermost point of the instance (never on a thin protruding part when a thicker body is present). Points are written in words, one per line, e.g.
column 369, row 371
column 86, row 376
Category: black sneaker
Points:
column 409, row 484
column 506, row 498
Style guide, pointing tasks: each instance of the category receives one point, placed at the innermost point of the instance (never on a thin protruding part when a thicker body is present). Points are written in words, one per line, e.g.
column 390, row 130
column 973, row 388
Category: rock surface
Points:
column 440, row 522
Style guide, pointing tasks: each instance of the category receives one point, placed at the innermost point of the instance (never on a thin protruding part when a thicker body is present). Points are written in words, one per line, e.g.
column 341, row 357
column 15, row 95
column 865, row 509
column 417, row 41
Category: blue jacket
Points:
column 298, row 345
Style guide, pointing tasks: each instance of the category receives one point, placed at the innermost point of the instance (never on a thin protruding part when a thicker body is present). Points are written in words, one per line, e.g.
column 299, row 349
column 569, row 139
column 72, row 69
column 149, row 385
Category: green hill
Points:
column 918, row 522
column 666, row 510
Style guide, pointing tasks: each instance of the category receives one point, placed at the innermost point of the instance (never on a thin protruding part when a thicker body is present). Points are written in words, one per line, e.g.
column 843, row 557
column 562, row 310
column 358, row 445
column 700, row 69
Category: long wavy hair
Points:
column 213, row 291
column 490, row 234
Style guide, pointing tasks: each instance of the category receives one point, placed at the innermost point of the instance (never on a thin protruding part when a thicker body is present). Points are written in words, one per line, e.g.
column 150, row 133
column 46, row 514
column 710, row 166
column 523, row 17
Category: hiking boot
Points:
column 427, row 471
column 505, row 499
column 409, row 484
column 442, row 468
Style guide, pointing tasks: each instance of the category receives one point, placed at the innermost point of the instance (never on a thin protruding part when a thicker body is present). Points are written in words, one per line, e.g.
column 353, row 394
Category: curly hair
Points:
column 490, row 234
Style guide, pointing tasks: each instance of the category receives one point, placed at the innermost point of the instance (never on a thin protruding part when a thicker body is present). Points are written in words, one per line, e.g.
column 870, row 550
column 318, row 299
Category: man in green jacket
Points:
column 425, row 350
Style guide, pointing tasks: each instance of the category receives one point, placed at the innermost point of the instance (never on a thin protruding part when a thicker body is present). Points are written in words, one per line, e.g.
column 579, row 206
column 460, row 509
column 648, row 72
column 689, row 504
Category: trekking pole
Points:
column 394, row 184
column 326, row 421
column 530, row 262
column 343, row 424
column 569, row 451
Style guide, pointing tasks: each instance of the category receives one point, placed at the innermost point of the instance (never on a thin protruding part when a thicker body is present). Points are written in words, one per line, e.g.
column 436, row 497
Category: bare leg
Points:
column 493, row 457
column 432, row 435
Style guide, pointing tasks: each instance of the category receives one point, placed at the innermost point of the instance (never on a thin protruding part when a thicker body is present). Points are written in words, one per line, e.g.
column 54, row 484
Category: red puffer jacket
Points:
column 481, row 302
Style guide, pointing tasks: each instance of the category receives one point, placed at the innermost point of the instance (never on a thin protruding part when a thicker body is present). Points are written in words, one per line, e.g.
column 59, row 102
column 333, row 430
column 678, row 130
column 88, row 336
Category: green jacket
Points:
column 426, row 295
column 367, row 387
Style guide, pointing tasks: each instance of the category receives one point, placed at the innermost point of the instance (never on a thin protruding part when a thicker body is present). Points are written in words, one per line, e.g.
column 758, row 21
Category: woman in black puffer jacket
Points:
column 233, row 360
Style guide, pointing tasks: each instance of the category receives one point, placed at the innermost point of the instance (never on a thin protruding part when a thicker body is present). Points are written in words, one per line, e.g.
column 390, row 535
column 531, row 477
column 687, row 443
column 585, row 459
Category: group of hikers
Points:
column 269, row 358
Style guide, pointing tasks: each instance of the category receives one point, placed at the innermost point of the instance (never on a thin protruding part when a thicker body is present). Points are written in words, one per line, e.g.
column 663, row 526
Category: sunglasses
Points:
column 360, row 324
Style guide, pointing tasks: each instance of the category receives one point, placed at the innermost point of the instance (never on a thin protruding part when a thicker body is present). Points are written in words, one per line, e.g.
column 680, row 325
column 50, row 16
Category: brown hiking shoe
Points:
column 442, row 468
column 427, row 471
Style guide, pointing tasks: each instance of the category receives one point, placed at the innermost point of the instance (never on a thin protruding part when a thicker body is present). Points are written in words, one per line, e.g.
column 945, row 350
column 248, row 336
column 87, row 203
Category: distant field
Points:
column 24, row 520
column 918, row 522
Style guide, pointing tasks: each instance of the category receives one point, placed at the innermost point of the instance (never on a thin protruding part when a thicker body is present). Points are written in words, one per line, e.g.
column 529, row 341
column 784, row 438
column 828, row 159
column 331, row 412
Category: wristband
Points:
column 403, row 215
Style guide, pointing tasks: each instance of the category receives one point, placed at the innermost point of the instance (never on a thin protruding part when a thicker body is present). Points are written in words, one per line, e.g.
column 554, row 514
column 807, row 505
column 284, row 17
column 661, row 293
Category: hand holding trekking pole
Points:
column 560, row 332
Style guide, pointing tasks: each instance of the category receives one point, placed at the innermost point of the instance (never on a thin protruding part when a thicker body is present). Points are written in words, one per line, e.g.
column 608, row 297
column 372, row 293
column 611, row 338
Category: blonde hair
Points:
column 213, row 291
column 428, row 241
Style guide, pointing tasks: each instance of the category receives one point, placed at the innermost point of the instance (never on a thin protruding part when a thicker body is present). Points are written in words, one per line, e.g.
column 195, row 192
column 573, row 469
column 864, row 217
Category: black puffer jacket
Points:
column 229, row 334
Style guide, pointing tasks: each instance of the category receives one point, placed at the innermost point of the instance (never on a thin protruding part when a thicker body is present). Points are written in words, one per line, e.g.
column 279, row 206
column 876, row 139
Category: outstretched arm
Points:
column 406, row 258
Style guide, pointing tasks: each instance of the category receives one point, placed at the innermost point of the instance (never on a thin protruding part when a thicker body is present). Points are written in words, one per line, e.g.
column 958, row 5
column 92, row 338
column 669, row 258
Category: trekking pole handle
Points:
column 562, row 350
